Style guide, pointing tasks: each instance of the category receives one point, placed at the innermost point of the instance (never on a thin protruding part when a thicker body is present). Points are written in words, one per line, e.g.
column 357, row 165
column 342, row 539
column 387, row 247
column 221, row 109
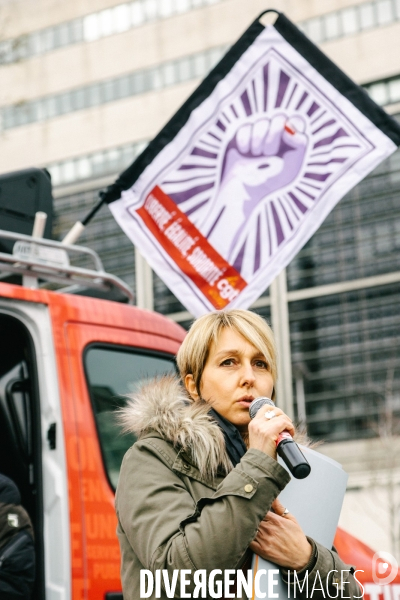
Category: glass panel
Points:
column 127, row 155
column 6, row 51
column 55, row 174
column 91, row 28
column 76, row 30
column 41, row 42
column 56, row 36
column 166, row 8
column 78, row 98
column 34, row 43
column 150, row 9
column 182, row 5
column 137, row 13
column 93, row 95
column 112, row 374
column 169, row 74
column 314, row 29
column 379, row 93
column 367, row 15
column 113, row 159
column 122, row 18
column 63, row 34
column 215, row 56
column 154, row 78
column 51, row 107
column 7, row 117
column 199, row 65
column 106, row 22
column 68, row 171
column 349, row 20
column 164, row 300
column 17, row 118
column 345, row 353
column 124, row 85
column 109, row 90
column 184, row 69
column 20, row 48
column 384, row 10
column 83, row 168
column 65, row 101
column 140, row 82
column 41, row 110
column 358, row 238
column 98, row 163
column 48, row 39
column 394, row 90
column 332, row 26
column 34, row 110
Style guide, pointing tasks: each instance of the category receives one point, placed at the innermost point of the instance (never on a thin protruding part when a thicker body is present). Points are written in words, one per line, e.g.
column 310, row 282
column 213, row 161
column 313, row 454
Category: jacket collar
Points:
column 163, row 407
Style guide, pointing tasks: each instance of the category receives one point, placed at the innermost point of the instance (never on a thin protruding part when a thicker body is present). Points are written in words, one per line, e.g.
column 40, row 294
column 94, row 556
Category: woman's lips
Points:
column 245, row 402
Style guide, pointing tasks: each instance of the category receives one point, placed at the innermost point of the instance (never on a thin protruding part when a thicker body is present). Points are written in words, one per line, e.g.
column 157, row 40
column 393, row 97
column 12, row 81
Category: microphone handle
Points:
column 286, row 447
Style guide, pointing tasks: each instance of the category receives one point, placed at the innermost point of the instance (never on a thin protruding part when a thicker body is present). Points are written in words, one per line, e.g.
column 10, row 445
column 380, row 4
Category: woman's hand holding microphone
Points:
column 280, row 538
column 264, row 431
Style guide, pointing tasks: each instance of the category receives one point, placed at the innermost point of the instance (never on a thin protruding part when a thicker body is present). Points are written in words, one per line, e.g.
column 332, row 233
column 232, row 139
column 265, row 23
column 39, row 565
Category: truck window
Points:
column 112, row 373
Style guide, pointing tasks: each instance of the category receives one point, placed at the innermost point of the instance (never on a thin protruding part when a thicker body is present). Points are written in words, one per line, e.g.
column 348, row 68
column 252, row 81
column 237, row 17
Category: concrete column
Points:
column 144, row 282
column 280, row 326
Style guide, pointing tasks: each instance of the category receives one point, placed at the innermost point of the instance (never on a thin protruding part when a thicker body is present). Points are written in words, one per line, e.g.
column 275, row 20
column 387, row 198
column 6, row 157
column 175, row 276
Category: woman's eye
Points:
column 261, row 364
column 227, row 362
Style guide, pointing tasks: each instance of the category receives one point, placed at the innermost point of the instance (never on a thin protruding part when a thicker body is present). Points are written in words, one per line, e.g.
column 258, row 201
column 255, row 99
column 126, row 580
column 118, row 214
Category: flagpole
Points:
column 79, row 227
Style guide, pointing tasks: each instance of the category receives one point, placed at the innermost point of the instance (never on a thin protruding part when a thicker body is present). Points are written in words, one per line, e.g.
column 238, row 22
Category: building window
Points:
column 95, row 26
column 385, row 92
column 351, row 20
column 155, row 78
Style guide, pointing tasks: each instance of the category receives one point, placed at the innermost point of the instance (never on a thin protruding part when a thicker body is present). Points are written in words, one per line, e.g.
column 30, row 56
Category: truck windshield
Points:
column 112, row 374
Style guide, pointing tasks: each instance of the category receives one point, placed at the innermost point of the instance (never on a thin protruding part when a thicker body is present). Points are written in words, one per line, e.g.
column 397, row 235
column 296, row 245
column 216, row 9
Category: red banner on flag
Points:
column 190, row 250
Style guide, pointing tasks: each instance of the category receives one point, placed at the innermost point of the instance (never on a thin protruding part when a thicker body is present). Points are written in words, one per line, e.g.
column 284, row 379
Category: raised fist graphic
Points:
column 262, row 157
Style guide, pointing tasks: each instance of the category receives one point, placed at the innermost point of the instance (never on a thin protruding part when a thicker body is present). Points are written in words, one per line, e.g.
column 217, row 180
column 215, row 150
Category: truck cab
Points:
column 67, row 364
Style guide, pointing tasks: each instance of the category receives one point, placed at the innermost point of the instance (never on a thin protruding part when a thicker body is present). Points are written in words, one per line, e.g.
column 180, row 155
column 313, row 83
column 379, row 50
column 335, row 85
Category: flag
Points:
column 249, row 167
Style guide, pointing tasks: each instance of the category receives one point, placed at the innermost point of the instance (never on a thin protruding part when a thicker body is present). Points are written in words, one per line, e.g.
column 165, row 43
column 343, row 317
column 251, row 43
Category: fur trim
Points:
column 162, row 405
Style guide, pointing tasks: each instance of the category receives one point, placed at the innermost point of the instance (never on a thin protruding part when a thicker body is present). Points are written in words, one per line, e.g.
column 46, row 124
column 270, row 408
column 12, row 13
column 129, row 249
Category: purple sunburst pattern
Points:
column 254, row 171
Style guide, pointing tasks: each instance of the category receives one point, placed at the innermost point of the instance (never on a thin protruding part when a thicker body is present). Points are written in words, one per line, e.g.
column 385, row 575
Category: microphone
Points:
column 286, row 447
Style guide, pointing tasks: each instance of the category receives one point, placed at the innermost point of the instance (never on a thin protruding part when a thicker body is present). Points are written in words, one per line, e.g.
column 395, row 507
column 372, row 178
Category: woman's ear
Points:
column 191, row 387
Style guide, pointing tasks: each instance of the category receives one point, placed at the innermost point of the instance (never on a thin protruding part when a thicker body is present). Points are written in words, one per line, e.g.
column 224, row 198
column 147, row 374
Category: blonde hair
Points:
column 194, row 351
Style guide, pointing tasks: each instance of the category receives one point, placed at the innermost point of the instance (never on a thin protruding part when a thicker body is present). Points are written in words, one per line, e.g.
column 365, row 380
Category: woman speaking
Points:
column 198, row 490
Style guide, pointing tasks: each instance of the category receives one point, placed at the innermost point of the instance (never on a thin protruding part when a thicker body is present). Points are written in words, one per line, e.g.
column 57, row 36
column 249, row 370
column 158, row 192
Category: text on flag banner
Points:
column 190, row 250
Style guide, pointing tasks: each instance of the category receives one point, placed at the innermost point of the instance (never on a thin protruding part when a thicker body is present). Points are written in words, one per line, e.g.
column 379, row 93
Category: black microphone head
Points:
column 257, row 404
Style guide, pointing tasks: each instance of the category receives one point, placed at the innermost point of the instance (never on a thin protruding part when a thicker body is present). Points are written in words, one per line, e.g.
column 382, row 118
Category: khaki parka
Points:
column 182, row 507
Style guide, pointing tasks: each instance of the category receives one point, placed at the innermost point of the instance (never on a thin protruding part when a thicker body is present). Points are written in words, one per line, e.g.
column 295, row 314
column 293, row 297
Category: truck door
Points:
column 105, row 365
column 29, row 404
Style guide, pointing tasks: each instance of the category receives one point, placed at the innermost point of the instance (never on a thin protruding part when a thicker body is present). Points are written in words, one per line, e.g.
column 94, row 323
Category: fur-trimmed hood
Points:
column 162, row 406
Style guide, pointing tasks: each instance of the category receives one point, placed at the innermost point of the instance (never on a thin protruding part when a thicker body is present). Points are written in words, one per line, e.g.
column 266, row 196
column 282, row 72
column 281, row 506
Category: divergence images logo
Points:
column 384, row 568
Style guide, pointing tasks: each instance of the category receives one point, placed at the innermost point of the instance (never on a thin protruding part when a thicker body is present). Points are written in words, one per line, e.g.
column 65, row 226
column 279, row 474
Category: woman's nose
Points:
column 247, row 375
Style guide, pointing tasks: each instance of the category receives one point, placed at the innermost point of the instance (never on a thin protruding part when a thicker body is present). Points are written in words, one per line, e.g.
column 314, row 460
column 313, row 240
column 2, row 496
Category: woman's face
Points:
column 235, row 373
